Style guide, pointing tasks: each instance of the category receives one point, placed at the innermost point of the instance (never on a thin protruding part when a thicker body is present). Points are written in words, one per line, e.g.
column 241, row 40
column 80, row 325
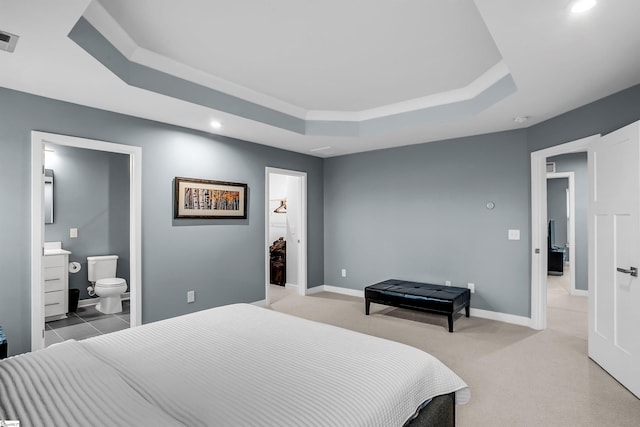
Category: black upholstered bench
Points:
column 437, row 299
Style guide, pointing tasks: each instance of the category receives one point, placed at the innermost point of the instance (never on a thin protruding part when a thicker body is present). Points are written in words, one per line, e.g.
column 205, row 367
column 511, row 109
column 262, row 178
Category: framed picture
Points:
column 200, row 198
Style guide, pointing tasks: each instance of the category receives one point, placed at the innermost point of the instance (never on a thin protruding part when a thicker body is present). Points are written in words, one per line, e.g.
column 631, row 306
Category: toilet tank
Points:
column 101, row 267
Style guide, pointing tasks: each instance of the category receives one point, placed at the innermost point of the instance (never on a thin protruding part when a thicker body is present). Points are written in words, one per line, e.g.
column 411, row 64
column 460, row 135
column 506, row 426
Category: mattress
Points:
column 236, row 365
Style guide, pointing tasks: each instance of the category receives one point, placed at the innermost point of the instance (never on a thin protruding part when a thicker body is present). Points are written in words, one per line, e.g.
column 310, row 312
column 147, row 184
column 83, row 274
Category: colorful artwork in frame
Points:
column 200, row 198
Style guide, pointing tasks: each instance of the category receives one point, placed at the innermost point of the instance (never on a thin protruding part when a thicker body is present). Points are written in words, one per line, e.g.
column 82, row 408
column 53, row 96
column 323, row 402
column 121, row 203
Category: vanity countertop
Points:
column 56, row 252
column 54, row 248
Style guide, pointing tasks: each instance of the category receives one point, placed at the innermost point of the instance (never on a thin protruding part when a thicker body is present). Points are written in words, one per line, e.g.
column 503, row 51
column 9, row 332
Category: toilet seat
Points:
column 111, row 282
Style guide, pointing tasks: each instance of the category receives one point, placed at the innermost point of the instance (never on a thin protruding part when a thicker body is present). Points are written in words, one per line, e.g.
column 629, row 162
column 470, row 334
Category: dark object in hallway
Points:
column 555, row 254
column 555, row 262
column 446, row 300
column 278, row 257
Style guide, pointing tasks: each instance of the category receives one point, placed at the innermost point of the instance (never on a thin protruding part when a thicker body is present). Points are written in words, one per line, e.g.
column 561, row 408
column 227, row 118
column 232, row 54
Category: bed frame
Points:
column 440, row 412
column 208, row 367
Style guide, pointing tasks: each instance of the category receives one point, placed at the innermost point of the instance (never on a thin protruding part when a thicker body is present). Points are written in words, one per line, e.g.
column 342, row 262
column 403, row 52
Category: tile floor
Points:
column 85, row 323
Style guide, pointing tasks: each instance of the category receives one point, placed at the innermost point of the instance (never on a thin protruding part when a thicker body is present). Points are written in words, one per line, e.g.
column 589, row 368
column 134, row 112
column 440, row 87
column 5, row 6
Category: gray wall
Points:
column 599, row 117
column 414, row 212
column 91, row 193
column 577, row 163
column 419, row 213
column 222, row 260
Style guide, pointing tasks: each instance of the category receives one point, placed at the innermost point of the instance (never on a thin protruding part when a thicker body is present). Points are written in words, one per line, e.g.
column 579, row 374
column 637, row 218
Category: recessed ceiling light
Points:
column 215, row 124
column 580, row 6
column 520, row 119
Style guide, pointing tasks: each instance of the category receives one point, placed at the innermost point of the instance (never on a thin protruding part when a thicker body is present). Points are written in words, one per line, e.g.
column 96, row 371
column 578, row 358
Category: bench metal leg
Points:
column 367, row 304
column 450, row 316
column 466, row 310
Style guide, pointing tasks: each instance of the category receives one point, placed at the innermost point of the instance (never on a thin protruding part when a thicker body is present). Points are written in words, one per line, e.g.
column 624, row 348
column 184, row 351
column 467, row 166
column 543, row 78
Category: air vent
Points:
column 551, row 167
column 8, row 41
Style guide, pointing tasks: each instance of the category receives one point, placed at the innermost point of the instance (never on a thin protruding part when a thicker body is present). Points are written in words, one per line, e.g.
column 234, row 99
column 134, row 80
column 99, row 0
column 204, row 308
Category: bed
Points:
column 236, row 365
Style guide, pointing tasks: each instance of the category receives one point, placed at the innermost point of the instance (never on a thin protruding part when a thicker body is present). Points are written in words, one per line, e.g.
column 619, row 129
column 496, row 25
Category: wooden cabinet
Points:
column 56, row 286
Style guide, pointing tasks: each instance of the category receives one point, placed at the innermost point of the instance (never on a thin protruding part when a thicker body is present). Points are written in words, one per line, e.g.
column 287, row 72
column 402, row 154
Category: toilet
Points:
column 105, row 284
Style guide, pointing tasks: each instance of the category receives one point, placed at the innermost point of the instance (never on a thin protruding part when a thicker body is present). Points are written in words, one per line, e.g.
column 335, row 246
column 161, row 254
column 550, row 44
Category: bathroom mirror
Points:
column 48, row 196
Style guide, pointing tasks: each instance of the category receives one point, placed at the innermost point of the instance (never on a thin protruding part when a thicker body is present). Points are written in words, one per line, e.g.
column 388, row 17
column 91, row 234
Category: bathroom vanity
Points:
column 56, row 281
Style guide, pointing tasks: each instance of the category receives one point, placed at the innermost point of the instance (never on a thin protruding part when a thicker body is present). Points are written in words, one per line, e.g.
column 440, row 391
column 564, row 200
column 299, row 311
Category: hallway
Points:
column 566, row 313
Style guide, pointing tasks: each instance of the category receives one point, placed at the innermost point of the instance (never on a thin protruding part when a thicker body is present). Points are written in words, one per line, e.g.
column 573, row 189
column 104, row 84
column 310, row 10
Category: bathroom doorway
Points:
column 285, row 232
column 132, row 164
column 91, row 189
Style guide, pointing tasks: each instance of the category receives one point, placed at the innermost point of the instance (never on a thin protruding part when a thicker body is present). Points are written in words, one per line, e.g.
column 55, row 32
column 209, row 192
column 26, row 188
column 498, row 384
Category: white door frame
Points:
column 302, row 256
column 571, row 241
column 539, row 225
column 38, row 140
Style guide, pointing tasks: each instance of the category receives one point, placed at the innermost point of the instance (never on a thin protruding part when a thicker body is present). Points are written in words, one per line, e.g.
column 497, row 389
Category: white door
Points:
column 614, row 253
column 293, row 226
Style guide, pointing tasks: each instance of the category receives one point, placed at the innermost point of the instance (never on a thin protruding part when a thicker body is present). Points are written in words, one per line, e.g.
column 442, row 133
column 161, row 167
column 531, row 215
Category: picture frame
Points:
column 206, row 199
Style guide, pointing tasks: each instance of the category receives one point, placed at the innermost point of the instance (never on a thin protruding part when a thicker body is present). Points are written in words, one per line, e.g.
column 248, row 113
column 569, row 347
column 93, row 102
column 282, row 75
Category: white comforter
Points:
column 65, row 385
column 236, row 365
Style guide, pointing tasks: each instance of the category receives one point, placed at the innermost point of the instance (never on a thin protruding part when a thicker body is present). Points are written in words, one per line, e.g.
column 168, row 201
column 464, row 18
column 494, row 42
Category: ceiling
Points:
column 324, row 78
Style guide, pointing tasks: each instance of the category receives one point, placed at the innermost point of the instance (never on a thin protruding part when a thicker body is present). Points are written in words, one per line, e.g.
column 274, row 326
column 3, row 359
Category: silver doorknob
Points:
column 633, row 271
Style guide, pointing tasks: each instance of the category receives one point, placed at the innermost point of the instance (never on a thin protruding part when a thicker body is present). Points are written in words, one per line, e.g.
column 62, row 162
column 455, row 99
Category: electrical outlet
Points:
column 191, row 296
column 344, row 272
column 447, row 282
column 472, row 287
column 73, row 233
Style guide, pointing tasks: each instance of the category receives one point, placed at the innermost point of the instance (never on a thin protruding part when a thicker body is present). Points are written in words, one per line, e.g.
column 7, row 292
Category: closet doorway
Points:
column 285, row 231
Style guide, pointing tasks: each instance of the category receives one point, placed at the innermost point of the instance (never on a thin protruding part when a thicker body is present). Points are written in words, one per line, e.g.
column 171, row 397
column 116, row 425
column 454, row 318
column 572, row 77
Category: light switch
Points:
column 73, row 233
column 514, row 234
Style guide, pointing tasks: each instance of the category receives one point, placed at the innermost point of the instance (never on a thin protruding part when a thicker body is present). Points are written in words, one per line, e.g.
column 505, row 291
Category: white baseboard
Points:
column 501, row 317
column 93, row 301
column 261, row 303
column 315, row 290
column 344, row 291
column 88, row 302
column 579, row 292
column 291, row 286
column 476, row 312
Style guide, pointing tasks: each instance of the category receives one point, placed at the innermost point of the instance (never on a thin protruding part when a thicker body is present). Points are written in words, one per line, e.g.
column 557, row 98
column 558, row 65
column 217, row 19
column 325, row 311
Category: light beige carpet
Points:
column 518, row 376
